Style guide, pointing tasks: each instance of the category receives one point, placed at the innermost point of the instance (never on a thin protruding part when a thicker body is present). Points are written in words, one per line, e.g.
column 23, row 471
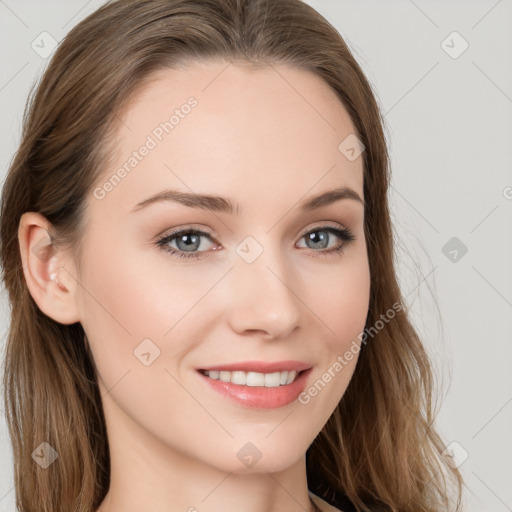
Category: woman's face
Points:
column 261, row 282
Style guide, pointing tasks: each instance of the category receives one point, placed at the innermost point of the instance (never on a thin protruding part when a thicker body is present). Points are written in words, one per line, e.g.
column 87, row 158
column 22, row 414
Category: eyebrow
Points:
column 225, row 205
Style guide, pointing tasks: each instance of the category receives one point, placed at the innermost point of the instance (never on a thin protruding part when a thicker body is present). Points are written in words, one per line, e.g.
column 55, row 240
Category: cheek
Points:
column 131, row 295
column 119, row 310
column 343, row 303
column 343, row 307
column 132, row 305
column 349, row 308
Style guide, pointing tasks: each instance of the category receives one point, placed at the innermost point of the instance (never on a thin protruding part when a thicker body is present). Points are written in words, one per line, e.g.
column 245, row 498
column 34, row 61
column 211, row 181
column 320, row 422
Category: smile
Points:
column 259, row 390
column 252, row 379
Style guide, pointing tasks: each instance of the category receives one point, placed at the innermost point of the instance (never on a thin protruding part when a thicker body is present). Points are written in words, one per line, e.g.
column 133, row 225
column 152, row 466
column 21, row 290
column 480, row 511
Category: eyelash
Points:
column 345, row 234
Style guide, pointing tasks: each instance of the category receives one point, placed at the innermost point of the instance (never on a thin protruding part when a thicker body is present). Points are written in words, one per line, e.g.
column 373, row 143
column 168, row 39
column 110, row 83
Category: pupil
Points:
column 189, row 240
column 321, row 236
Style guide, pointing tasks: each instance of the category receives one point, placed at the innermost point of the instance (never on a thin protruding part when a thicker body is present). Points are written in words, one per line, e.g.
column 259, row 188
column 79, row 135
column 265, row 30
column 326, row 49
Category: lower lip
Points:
column 260, row 397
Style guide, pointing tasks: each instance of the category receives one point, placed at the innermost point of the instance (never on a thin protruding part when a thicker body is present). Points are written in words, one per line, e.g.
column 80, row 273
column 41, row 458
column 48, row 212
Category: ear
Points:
column 49, row 273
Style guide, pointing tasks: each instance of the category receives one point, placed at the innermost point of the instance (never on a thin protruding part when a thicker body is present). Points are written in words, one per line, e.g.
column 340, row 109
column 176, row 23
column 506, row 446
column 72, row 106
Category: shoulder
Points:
column 322, row 504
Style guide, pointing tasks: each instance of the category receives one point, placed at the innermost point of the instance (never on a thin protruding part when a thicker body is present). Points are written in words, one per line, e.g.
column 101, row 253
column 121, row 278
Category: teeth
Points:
column 225, row 376
column 268, row 380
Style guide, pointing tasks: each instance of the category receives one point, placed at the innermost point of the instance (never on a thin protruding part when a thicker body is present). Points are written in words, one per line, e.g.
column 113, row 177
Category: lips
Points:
column 254, row 384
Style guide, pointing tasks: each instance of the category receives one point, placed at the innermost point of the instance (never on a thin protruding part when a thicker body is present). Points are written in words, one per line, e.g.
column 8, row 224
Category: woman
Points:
column 197, row 247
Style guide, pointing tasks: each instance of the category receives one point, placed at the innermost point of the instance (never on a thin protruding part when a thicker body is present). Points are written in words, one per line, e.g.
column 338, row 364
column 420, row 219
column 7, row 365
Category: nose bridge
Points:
column 263, row 297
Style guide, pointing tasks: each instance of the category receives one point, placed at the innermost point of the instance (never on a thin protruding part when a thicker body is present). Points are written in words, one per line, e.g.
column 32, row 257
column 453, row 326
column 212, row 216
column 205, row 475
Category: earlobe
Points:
column 49, row 280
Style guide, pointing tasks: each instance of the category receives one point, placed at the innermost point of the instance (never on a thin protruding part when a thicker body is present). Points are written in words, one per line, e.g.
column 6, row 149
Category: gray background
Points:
column 448, row 118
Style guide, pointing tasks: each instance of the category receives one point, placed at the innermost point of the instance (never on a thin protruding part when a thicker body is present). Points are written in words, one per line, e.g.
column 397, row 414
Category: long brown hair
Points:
column 379, row 448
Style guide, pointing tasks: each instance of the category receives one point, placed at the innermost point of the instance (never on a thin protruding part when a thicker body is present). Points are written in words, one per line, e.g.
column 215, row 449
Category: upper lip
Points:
column 260, row 366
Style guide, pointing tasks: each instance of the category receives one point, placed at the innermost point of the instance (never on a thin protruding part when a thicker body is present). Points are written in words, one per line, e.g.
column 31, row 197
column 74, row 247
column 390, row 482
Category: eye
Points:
column 188, row 241
column 319, row 238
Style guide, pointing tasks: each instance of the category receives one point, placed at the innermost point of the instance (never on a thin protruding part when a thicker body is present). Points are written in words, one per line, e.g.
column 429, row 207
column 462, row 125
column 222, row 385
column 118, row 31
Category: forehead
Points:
column 219, row 127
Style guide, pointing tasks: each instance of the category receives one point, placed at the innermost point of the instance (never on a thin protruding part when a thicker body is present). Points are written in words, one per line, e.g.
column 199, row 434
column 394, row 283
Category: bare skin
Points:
column 267, row 139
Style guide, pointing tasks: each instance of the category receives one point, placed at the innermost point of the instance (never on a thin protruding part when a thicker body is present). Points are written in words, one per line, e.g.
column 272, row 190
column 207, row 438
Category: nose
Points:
column 262, row 298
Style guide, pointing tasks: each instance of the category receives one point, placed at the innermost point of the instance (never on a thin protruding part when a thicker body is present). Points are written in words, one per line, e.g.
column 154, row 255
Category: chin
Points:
column 262, row 456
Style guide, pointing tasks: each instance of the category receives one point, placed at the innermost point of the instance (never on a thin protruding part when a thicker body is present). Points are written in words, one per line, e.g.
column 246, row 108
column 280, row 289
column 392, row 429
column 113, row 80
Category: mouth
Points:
column 254, row 379
column 257, row 384
column 258, row 390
